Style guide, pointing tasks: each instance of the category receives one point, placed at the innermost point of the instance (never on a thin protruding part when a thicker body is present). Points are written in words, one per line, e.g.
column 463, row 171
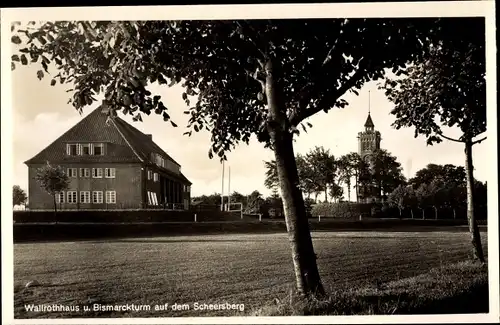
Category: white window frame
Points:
column 68, row 149
column 97, row 197
column 96, row 174
column 84, row 196
column 84, row 172
column 150, row 174
column 111, row 197
column 72, row 195
column 59, row 196
column 95, row 145
column 156, row 177
column 155, row 198
column 110, row 172
column 85, row 145
column 72, row 172
column 150, row 201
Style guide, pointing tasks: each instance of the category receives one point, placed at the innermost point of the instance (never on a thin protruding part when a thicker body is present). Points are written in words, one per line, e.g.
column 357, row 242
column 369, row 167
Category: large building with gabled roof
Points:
column 111, row 165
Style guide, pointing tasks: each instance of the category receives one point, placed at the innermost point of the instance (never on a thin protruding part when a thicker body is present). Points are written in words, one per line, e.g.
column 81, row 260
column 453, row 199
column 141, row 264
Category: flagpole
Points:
column 222, row 192
column 229, row 189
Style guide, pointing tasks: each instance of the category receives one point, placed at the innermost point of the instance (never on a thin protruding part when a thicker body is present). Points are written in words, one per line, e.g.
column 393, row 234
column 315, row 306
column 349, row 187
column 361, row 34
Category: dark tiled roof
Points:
column 126, row 144
column 369, row 122
column 180, row 177
column 92, row 128
column 140, row 141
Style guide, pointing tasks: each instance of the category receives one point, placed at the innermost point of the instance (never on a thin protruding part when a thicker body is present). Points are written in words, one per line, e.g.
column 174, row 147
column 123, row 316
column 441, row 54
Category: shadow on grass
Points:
column 473, row 301
column 460, row 288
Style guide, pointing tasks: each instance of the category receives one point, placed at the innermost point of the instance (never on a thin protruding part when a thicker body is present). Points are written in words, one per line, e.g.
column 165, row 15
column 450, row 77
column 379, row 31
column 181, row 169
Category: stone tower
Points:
column 368, row 140
column 368, row 143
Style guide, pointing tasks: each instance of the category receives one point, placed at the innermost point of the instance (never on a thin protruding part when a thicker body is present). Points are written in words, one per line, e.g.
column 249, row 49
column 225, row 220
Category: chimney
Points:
column 150, row 136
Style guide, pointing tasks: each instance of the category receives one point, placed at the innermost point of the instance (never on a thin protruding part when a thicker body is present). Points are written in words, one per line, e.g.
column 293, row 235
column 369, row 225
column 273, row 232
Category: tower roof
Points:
column 369, row 122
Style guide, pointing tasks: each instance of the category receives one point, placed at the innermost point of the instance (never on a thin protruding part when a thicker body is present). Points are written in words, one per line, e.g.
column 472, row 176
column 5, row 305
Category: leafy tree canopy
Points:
column 447, row 173
column 221, row 65
column 52, row 179
column 446, row 88
column 19, row 196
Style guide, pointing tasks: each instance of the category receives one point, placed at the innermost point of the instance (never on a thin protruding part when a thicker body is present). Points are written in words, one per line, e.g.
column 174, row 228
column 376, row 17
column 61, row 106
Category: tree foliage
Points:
column 320, row 60
column 380, row 173
column 447, row 88
column 52, row 179
column 19, row 196
column 448, row 173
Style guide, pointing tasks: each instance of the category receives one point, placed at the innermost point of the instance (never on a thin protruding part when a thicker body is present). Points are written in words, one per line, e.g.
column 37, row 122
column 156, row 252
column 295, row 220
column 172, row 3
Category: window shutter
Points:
column 68, row 152
column 91, row 149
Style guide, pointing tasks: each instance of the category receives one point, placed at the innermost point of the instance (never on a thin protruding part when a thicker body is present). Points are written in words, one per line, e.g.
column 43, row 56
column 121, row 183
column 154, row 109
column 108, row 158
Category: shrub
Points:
column 341, row 210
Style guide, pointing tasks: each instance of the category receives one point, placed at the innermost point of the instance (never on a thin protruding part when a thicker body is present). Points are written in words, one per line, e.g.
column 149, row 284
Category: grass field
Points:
column 251, row 269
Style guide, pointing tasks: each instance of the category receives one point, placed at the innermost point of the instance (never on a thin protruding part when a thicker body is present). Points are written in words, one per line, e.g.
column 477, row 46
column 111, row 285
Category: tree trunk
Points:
column 400, row 213
column 357, row 186
column 303, row 256
column 326, row 194
column 55, row 208
column 411, row 211
column 454, row 214
column 423, row 213
column 348, row 183
column 471, row 219
column 436, row 213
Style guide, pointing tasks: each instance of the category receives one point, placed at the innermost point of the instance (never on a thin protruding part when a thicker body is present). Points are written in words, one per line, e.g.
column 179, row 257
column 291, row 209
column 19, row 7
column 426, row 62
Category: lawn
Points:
column 251, row 269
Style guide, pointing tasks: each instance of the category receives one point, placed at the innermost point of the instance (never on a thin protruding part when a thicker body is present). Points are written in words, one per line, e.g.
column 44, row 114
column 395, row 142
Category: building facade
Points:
column 111, row 165
column 368, row 142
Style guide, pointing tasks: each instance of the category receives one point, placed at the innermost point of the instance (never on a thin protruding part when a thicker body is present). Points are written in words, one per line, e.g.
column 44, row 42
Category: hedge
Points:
column 353, row 210
column 100, row 216
column 341, row 210
column 24, row 232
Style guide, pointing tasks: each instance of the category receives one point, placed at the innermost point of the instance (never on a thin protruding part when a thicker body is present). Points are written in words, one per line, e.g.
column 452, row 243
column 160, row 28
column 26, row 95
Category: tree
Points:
column 268, row 81
column 360, row 169
column 255, row 201
column 336, row 192
column 306, row 176
column 322, row 165
column 437, row 194
column 212, row 199
column 19, row 196
column 385, row 173
column 238, row 198
column 448, row 173
column 271, row 181
column 423, row 197
column 346, row 170
column 53, row 180
column 448, row 182
column 399, row 198
column 448, row 88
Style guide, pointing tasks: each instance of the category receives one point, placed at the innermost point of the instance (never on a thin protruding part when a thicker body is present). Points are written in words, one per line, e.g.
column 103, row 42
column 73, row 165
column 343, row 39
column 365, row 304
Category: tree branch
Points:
column 478, row 141
column 264, row 56
column 328, row 57
column 448, row 138
column 302, row 113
